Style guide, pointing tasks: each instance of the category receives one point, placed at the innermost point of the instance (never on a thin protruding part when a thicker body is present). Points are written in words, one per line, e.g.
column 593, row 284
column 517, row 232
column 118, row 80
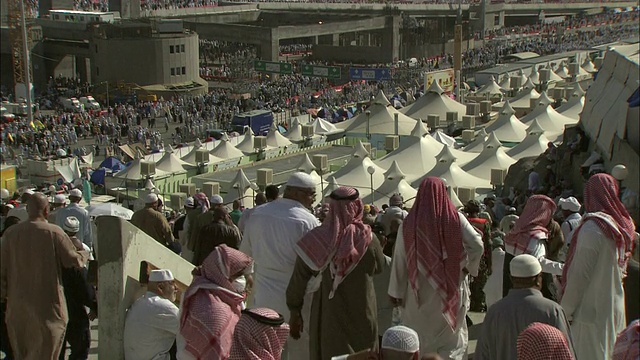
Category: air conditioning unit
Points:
column 147, row 168
column 367, row 146
column 202, row 156
column 307, row 131
column 465, row 194
column 473, row 109
column 468, row 122
column 321, row 162
column 264, row 177
column 260, row 142
column 485, row 107
column 557, row 93
column 433, row 121
column 597, row 62
column 498, row 176
column 544, row 75
column 452, row 117
column 574, row 69
column 468, row 136
column 515, row 82
column 391, row 142
column 211, row 188
column 177, row 200
column 188, row 188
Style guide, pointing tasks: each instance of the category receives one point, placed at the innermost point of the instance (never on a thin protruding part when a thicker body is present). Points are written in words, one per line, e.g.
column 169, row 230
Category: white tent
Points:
column 332, row 185
column 573, row 107
column 394, row 183
column 534, row 144
column 523, row 99
column 171, row 163
column 477, row 145
column 588, row 66
column 534, row 76
column 507, row 127
column 225, row 150
column 323, row 127
column 562, row 71
column 523, row 77
column 528, row 85
column 238, row 188
column 355, row 172
column 295, row 132
column 448, row 169
column 553, row 77
column 505, row 83
column 434, row 101
column 491, row 88
column 454, row 197
column 191, row 156
column 305, row 165
column 551, row 121
column 132, row 172
column 246, row 145
column 492, row 157
column 544, row 99
column 381, row 118
column 275, row 138
column 443, row 138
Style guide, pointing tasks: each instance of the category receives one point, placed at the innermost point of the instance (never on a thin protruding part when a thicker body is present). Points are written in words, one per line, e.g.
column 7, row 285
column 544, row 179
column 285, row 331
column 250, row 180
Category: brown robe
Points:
column 33, row 254
column 154, row 224
column 348, row 322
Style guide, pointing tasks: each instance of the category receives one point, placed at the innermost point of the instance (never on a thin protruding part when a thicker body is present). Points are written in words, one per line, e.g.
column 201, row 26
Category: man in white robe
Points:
column 593, row 296
column 270, row 238
column 436, row 249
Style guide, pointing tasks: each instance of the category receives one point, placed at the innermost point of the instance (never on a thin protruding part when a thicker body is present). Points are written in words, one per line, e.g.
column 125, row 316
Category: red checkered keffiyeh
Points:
column 202, row 200
column 542, row 342
column 628, row 343
column 433, row 243
column 256, row 340
column 536, row 215
column 211, row 306
column 342, row 239
column 607, row 211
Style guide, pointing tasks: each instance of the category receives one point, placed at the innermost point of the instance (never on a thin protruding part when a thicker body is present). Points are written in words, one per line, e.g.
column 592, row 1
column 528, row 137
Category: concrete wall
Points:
column 122, row 247
column 146, row 61
column 357, row 54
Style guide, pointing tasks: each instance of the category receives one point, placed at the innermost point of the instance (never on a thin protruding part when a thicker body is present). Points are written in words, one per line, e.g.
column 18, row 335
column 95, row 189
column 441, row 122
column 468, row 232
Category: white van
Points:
column 71, row 104
column 89, row 103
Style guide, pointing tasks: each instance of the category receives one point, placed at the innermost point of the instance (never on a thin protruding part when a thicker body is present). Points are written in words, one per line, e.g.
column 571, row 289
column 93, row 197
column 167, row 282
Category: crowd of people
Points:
column 286, row 279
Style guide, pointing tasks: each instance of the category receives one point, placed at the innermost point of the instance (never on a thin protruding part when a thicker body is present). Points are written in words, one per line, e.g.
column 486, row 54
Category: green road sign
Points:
column 332, row 72
column 273, row 67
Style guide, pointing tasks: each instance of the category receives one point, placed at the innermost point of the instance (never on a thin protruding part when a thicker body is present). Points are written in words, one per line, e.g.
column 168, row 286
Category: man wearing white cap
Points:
column 523, row 306
column 270, row 239
column 152, row 321
column 203, row 220
column 178, row 225
column 572, row 218
column 73, row 209
column 398, row 343
column 59, row 201
column 152, row 222
column 21, row 211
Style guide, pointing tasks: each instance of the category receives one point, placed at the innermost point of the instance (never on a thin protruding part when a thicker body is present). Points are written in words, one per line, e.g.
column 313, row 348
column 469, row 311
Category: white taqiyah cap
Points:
column 301, row 180
column 59, row 199
column 401, row 338
column 160, row 275
column 4, row 194
column 619, row 172
column 189, row 202
column 71, row 224
column 570, row 203
column 75, row 193
column 524, row 266
column 216, row 200
column 28, row 191
column 151, row 198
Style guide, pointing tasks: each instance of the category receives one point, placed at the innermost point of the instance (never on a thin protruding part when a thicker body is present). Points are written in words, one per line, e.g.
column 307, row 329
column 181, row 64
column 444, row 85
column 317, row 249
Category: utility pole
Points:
column 27, row 63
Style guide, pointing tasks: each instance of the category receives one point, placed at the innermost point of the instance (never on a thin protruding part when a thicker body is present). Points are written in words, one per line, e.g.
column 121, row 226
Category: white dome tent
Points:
column 434, row 101
column 588, row 66
column 225, row 150
column 507, row 127
column 562, row 71
column 534, row 76
column 522, row 101
column 534, row 144
column 443, row 138
column 505, row 83
column 132, row 172
column 240, row 188
column 171, row 163
column 550, row 120
column 356, row 172
column 190, row 158
column 275, row 138
column 332, row 185
column 323, row 127
column 448, row 169
column 454, row 197
column 492, row 157
column 295, row 131
column 573, row 107
column 305, row 165
column 491, row 88
column 394, row 183
column 477, row 145
column 246, row 145
column 380, row 119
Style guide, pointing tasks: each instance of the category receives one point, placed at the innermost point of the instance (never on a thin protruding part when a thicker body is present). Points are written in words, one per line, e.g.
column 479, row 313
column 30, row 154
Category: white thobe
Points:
column 426, row 318
column 594, row 297
column 150, row 328
column 270, row 239
column 493, row 287
column 569, row 225
column 537, row 249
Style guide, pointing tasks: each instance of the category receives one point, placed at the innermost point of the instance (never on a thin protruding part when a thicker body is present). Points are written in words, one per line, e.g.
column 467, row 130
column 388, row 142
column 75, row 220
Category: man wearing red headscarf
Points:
column 593, row 297
column 211, row 306
column 436, row 249
column 543, row 342
column 344, row 311
column 259, row 335
column 529, row 236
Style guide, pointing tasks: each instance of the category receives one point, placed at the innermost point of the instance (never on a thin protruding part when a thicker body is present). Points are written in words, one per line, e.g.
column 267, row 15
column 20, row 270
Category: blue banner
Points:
column 370, row 74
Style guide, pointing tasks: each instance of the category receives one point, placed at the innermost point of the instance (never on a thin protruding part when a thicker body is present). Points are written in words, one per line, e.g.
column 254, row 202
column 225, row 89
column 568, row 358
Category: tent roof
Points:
column 532, row 145
column 588, row 66
column 573, row 107
column 171, row 163
column 275, row 138
column 381, row 121
column 390, row 187
column 225, row 150
column 490, row 158
column 443, row 138
column 132, row 172
column 355, row 173
column 507, row 127
column 550, row 120
column 295, row 132
column 490, row 88
column 477, row 144
column 534, row 76
column 323, row 127
column 523, row 99
column 332, row 185
column 434, row 101
column 305, row 164
column 381, row 99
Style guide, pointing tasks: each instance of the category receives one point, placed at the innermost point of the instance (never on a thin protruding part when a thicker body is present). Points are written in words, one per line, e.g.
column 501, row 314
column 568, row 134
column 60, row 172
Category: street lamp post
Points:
column 368, row 113
column 372, row 170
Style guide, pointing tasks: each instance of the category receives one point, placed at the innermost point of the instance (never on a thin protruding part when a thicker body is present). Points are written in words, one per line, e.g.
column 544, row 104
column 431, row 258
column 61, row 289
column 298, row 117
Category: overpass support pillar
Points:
column 270, row 49
column 335, row 39
column 391, row 37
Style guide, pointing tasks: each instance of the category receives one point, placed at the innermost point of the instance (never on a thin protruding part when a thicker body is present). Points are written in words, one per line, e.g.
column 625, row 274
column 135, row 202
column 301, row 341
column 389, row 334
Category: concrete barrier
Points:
column 126, row 256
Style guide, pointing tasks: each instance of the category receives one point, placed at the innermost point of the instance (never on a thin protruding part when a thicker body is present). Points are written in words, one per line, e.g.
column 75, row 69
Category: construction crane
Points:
column 19, row 21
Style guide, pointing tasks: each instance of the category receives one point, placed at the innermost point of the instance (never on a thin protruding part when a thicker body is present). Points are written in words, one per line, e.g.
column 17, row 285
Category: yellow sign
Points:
column 445, row 79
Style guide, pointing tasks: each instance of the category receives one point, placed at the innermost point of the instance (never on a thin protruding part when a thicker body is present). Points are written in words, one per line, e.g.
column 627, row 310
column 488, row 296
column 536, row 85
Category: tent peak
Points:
column 492, row 142
column 535, row 128
column 419, row 130
column 305, row 164
column 360, row 151
column 435, row 88
column 394, row 172
column 446, row 156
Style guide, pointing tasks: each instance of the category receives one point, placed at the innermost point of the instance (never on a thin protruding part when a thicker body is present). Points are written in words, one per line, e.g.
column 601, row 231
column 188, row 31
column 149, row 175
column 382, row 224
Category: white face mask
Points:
column 239, row 284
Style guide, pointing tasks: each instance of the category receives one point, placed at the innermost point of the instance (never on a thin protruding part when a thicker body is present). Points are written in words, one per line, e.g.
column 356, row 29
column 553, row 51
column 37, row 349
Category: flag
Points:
column 86, row 191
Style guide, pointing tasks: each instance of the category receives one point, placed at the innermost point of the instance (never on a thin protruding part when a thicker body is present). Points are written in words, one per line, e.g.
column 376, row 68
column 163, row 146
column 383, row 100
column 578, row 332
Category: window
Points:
column 184, row 70
column 171, row 49
column 182, row 48
column 173, row 72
